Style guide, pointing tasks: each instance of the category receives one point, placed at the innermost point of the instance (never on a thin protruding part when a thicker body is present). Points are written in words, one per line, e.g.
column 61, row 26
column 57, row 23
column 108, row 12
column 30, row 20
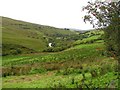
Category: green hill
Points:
column 32, row 36
column 90, row 37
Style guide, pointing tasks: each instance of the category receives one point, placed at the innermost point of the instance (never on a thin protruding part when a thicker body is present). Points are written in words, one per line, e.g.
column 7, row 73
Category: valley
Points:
column 76, row 60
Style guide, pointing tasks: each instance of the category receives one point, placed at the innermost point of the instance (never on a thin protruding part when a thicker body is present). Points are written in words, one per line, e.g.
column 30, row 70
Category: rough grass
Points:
column 50, row 80
column 80, row 52
column 73, row 68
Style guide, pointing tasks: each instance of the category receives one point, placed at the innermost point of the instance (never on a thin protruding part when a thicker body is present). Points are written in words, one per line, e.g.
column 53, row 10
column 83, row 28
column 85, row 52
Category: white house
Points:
column 50, row 44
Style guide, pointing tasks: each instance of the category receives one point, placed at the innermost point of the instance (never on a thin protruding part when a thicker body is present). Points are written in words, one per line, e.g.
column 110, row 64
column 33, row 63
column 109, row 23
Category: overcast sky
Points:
column 57, row 13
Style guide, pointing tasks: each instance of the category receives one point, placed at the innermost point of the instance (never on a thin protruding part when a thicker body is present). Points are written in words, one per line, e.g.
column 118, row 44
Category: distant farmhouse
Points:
column 50, row 44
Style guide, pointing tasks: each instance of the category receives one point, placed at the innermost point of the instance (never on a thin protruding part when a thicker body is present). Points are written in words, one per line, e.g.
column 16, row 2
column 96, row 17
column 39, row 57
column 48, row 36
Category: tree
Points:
column 106, row 15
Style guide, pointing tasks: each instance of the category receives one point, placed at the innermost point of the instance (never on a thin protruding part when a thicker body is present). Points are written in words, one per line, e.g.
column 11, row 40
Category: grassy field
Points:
column 82, row 66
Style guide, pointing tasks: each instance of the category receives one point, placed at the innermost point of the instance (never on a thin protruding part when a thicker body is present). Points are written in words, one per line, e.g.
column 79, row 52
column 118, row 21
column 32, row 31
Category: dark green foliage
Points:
column 73, row 81
column 13, row 49
column 112, row 37
column 37, row 70
column 57, row 49
column 94, row 73
column 108, row 18
column 54, row 49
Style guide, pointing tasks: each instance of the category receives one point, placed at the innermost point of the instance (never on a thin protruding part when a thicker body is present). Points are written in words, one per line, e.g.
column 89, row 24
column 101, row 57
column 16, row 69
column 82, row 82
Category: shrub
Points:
column 54, row 49
column 35, row 70
column 72, row 81
column 13, row 52
column 93, row 72
column 49, row 49
column 19, row 51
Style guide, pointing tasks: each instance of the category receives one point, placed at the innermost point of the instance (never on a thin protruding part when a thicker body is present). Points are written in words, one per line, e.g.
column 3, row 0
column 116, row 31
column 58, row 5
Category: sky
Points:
column 57, row 13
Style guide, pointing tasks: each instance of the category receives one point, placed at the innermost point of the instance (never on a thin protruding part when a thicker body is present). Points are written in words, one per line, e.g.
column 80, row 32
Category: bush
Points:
column 19, row 51
column 112, row 38
column 13, row 52
column 105, row 68
column 54, row 49
column 13, row 49
column 49, row 49
column 35, row 70
column 94, row 73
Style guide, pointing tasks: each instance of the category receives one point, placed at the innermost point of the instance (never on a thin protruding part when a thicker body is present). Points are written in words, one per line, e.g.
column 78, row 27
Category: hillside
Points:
column 82, row 66
column 31, row 36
